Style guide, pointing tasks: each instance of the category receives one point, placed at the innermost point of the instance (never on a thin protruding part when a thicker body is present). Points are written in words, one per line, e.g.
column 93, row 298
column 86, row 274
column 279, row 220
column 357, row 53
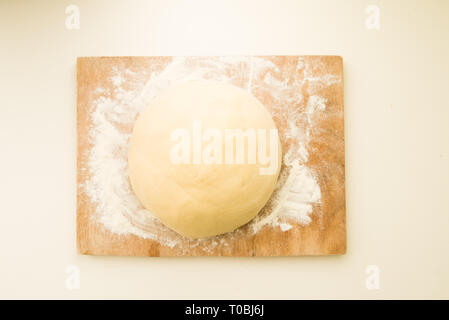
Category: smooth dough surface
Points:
column 198, row 200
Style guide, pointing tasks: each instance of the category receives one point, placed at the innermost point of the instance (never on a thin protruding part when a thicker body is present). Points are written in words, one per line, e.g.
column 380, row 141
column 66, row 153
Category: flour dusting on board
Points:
column 114, row 112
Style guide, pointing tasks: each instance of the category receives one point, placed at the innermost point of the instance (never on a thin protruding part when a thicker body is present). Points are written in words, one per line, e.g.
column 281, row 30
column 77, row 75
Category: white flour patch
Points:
column 297, row 191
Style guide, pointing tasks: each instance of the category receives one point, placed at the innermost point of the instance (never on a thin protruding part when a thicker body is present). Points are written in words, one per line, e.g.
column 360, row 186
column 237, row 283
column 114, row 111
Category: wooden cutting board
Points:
column 310, row 76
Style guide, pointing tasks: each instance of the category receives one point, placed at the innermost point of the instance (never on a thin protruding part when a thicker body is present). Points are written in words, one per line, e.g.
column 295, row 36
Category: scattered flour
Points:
column 113, row 114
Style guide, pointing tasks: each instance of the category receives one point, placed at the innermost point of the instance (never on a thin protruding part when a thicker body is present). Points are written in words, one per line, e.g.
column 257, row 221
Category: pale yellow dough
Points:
column 198, row 200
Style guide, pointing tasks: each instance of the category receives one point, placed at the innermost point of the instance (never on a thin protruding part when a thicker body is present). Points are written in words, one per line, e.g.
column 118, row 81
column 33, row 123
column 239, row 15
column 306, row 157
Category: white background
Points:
column 396, row 129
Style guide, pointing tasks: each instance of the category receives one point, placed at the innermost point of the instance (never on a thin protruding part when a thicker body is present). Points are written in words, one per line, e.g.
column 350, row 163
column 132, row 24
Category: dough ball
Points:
column 192, row 195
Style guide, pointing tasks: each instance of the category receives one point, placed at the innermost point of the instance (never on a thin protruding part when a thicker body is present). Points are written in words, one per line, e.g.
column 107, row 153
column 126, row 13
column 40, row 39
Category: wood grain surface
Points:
column 325, row 235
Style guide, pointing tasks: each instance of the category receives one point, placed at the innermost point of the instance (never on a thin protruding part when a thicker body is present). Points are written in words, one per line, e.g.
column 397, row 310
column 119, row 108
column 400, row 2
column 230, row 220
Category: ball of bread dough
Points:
column 194, row 195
